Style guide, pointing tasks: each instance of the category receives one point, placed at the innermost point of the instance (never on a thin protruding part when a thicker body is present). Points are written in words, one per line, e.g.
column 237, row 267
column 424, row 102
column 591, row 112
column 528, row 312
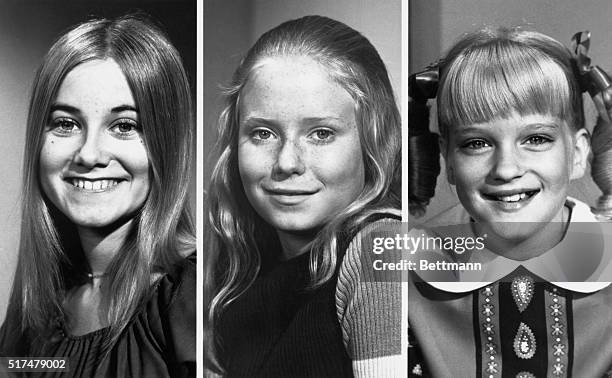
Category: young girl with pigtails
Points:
column 513, row 281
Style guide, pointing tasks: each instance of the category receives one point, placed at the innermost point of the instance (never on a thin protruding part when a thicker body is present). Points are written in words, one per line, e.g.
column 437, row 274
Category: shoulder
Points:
column 359, row 254
column 359, row 250
column 178, row 285
column 368, row 305
column 172, row 315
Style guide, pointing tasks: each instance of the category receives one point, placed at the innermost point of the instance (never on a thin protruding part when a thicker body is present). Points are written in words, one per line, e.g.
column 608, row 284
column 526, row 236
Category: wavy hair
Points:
column 49, row 257
column 236, row 234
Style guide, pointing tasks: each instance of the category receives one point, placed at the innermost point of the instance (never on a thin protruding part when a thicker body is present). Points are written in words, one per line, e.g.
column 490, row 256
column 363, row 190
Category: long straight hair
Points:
column 236, row 234
column 50, row 259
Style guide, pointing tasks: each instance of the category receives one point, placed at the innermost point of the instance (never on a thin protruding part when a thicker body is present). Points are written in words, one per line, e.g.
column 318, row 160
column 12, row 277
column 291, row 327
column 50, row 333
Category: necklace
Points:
column 95, row 275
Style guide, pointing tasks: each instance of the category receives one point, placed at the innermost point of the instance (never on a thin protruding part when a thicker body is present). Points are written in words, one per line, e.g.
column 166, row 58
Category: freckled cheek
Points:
column 342, row 167
column 254, row 164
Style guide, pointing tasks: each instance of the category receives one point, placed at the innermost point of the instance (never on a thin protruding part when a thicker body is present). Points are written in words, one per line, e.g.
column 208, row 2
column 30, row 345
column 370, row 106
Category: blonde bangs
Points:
column 494, row 80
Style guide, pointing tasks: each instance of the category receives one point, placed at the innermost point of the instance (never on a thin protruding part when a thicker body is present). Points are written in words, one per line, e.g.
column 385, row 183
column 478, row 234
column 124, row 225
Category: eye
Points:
column 323, row 135
column 65, row 126
column 261, row 134
column 538, row 140
column 475, row 144
column 125, row 128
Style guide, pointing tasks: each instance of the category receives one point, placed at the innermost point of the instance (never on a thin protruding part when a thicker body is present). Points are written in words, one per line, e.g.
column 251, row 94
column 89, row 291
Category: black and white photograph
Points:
column 306, row 188
column 98, row 249
column 302, row 113
column 509, row 189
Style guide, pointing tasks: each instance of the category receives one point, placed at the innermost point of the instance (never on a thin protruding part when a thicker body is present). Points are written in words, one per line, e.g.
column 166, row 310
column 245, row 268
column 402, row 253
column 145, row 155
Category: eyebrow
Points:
column 320, row 119
column 307, row 120
column 73, row 109
column 123, row 108
column 540, row 125
column 252, row 121
column 536, row 125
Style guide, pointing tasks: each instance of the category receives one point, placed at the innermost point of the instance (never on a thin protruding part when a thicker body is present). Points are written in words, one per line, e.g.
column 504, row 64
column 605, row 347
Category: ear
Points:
column 450, row 172
column 582, row 149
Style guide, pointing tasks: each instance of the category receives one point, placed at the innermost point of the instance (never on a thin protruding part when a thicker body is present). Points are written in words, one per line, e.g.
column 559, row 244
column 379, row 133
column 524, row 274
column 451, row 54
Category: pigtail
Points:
column 601, row 166
column 423, row 145
column 599, row 85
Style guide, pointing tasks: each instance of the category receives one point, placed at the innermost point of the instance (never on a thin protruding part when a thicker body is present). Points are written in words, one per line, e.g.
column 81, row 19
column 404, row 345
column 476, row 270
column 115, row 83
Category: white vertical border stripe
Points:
column 404, row 114
column 200, row 191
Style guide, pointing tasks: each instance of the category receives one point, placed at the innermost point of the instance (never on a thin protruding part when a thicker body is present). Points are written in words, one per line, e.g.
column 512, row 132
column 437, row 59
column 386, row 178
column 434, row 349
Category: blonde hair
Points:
column 236, row 234
column 489, row 74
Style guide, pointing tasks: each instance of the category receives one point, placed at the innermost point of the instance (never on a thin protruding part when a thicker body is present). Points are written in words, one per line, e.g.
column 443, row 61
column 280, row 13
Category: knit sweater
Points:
column 348, row 326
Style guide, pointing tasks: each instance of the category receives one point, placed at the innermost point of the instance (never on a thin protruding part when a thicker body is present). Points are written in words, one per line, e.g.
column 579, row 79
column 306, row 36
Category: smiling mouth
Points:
column 511, row 197
column 289, row 197
column 94, row 185
column 290, row 192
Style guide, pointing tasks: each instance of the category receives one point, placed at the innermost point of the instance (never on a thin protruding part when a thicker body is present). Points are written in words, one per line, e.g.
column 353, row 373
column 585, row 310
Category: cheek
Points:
column 54, row 156
column 467, row 171
column 555, row 166
column 136, row 161
column 253, row 163
column 343, row 167
column 139, row 164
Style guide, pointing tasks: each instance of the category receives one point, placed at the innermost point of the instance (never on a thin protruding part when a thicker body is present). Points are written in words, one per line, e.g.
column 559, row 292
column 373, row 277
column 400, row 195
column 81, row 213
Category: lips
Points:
column 289, row 191
column 288, row 196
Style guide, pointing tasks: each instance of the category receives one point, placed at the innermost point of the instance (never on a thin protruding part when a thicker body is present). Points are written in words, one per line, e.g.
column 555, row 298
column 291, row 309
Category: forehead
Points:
column 293, row 86
column 95, row 83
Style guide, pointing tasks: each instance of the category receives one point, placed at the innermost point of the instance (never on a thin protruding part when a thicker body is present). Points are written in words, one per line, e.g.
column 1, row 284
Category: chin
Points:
column 95, row 219
column 512, row 231
column 298, row 224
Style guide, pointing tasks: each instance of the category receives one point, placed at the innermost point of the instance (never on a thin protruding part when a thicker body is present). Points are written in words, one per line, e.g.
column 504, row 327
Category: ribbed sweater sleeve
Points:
column 369, row 312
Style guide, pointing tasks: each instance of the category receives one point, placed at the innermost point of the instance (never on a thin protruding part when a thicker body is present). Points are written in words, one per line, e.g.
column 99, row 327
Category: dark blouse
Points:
column 160, row 340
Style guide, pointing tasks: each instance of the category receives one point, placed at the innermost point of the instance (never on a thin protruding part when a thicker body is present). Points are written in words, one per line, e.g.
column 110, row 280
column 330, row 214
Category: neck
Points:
column 523, row 249
column 294, row 244
column 100, row 245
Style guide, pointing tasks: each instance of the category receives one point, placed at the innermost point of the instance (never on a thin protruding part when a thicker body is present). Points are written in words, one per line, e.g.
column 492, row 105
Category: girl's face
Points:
column 93, row 163
column 299, row 152
column 515, row 170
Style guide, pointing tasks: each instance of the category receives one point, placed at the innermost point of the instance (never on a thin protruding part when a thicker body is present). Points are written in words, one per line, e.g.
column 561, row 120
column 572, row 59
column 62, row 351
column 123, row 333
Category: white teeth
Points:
column 513, row 198
column 95, row 185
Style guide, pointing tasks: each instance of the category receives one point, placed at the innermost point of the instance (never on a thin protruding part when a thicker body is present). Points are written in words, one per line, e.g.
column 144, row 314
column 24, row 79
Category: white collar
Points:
column 570, row 265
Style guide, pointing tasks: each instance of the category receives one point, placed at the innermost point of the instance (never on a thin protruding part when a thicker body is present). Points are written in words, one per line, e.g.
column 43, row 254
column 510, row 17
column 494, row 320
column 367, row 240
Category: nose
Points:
column 507, row 164
column 289, row 160
column 92, row 152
